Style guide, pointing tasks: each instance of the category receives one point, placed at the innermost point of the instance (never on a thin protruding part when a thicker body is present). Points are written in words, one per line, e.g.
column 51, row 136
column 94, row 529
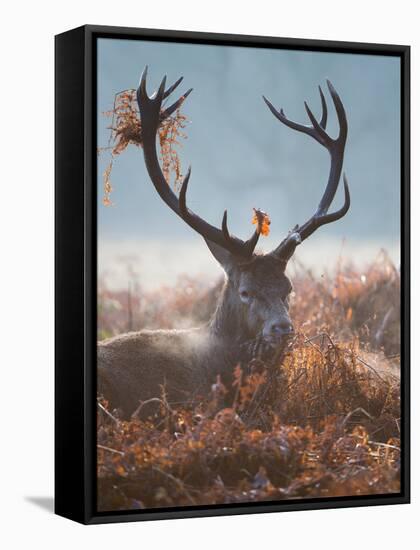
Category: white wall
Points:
column 26, row 305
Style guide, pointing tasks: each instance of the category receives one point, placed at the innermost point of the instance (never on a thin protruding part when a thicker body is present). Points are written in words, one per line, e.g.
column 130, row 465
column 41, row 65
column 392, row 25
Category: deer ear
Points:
column 225, row 258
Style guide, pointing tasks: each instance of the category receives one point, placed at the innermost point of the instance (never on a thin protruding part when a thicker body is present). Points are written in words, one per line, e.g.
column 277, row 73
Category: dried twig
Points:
column 162, row 402
column 350, row 414
column 104, row 410
column 387, row 445
column 104, row 448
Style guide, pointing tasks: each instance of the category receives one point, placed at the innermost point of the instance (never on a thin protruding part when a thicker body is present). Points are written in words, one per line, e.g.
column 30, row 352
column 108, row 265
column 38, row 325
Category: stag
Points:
column 252, row 315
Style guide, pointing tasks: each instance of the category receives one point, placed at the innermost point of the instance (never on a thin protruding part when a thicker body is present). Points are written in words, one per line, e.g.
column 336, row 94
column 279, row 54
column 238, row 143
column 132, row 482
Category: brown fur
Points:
column 136, row 366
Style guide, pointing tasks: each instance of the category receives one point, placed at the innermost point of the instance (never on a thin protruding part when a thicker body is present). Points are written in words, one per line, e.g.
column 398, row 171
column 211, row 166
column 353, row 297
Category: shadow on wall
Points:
column 46, row 503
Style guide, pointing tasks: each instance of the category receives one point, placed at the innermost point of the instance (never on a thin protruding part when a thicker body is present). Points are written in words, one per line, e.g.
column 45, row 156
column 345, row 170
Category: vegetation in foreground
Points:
column 322, row 421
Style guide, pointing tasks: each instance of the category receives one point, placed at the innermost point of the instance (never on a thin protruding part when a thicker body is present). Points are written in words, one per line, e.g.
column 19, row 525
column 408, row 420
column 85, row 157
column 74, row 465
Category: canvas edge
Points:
column 69, row 385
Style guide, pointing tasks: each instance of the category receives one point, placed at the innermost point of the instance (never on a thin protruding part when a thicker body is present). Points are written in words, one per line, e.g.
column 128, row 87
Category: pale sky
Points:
column 242, row 157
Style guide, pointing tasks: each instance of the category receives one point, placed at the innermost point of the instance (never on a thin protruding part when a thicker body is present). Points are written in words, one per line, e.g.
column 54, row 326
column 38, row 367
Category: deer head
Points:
column 257, row 289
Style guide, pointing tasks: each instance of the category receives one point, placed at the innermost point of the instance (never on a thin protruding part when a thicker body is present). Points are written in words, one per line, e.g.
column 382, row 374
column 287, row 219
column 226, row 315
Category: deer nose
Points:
column 281, row 328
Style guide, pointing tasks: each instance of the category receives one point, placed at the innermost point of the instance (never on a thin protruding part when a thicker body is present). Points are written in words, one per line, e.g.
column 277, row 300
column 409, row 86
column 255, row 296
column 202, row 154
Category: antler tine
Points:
column 324, row 116
column 169, row 110
column 173, row 87
column 316, row 221
column 336, row 149
column 316, row 130
column 341, row 113
column 151, row 117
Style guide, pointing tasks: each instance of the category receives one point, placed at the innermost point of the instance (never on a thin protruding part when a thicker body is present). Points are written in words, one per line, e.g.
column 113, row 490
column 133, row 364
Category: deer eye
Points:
column 245, row 295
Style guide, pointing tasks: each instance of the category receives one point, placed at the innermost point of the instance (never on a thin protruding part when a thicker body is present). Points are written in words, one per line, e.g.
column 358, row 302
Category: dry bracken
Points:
column 126, row 129
column 322, row 422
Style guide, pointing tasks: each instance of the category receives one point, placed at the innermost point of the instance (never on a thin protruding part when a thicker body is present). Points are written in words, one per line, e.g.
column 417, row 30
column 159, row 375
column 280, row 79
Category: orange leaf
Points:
column 262, row 221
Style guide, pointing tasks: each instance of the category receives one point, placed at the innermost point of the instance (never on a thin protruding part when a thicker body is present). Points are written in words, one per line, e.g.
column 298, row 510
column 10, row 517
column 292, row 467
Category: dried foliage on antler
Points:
column 126, row 129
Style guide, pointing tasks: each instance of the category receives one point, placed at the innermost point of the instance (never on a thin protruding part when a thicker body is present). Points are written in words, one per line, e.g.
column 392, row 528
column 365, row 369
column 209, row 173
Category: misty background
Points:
column 242, row 157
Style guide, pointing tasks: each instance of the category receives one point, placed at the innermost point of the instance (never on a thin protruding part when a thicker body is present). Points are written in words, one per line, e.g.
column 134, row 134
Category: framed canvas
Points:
column 209, row 364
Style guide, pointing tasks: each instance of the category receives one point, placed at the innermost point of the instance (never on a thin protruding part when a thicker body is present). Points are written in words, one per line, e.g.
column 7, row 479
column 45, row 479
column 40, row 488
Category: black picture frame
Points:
column 75, row 272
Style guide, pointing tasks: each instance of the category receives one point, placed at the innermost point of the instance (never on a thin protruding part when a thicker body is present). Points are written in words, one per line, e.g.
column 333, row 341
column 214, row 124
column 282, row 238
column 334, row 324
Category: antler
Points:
column 336, row 149
column 151, row 117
